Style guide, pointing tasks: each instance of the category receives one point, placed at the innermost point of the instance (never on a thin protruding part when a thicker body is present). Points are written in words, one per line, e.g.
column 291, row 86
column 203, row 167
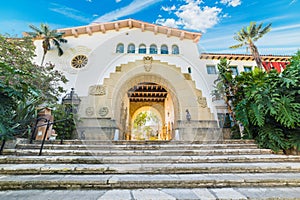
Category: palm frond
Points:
column 45, row 29
column 32, row 34
column 62, row 40
column 236, row 46
column 252, row 30
column 266, row 29
column 60, row 51
column 36, row 29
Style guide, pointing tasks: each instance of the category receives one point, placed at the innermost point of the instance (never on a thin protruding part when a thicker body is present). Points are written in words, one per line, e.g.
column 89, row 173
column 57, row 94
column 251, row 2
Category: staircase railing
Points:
column 47, row 123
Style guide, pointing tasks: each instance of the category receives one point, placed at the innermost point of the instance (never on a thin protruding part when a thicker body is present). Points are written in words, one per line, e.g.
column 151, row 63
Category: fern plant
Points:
column 268, row 105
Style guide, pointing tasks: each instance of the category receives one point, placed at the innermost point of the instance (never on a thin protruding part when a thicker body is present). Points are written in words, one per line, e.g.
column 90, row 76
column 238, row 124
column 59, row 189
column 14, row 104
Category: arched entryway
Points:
column 136, row 86
column 151, row 112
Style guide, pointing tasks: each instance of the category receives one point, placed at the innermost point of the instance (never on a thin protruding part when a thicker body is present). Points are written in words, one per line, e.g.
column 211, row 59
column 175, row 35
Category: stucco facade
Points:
column 108, row 62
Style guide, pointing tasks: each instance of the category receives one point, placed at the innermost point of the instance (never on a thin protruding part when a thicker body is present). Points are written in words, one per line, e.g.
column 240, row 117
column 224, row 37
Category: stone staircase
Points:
column 156, row 169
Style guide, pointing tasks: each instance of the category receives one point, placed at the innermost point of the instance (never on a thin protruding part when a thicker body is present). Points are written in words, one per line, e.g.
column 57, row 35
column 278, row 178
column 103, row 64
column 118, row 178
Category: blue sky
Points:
column 218, row 20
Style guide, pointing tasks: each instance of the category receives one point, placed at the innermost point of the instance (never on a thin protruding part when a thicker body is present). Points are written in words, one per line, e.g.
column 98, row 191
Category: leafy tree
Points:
column 48, row 35
column 225, row 86
column 23, row 85
column 141, row 119
column 247, row 36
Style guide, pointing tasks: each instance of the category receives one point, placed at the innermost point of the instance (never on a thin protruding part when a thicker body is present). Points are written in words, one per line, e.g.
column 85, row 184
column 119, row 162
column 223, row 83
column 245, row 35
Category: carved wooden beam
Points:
column 74, row 32
column 197, row 39
column 182, row 35
column 130, row 24
column 102, row 27
column 89, row 30
column 155, row 30
column 143, row 27
column 117, row 26
column 169, row 31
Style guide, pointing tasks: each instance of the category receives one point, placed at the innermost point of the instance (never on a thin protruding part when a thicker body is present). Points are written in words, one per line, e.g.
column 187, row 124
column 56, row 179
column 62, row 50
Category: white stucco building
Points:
column 122, row 68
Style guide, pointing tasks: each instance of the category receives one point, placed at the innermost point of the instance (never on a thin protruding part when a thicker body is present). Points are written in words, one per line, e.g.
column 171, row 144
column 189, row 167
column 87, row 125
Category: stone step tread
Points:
column 241, row 193
column 147, row 142
column 138, row 147
column 138, row 152
column 150, row 168
column 125, row 159
column 130, row 181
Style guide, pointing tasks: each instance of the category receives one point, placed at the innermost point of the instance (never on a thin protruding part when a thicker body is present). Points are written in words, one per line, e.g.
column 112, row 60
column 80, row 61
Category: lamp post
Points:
column 71, row 102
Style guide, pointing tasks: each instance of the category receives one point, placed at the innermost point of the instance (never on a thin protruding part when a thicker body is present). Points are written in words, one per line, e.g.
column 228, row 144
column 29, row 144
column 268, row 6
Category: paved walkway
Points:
column 155, row 194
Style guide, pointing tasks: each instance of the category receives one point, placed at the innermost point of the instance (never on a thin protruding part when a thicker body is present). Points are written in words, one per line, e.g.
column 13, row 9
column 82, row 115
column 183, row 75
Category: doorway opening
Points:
column 151, row 112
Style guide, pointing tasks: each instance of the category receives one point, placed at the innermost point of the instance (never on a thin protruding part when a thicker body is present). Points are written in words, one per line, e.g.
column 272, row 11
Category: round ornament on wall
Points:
column 79, row 61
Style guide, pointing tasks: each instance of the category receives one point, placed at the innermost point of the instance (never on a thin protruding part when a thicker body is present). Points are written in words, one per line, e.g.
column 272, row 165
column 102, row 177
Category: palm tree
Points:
column 48, row 35
column 247, row 36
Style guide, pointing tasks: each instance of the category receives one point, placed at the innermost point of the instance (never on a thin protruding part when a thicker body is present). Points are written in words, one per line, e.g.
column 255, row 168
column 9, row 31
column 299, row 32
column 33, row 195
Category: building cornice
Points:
column 244, row 57
column 130, row 23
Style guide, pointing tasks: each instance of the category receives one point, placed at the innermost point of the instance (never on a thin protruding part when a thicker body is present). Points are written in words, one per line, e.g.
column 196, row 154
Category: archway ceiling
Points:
column 147, row 92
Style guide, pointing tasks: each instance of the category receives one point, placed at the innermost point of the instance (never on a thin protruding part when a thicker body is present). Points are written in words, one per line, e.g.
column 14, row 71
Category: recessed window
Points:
column 142, row 49
column 234, row 70
column 120, row 48
column 164, row 49
column 211, row 69
column 247, row 68
column 131, row 48
column 79, row 61
column 153, row 49
column 175, row 49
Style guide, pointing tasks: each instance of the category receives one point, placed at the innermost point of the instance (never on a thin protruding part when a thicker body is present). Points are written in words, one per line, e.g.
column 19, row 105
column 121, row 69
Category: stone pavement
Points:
column 156, row 194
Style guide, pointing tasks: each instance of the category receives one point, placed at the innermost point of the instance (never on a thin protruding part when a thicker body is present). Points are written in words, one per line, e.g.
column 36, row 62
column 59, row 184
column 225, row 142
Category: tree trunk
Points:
column 256, row 55
column 43, row 59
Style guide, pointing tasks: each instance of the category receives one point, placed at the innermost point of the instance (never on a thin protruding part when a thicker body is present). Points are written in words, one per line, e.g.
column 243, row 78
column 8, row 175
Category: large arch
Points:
column 180, row 87
column 112, row 97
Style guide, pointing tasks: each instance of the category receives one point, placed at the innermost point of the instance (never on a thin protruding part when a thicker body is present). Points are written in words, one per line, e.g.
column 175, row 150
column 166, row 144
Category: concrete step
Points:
column 141, row 181
column 136, row 147
column 125, row 159
column 150, row 168
column 171, row 152
column 139, row 142
column 238, row 193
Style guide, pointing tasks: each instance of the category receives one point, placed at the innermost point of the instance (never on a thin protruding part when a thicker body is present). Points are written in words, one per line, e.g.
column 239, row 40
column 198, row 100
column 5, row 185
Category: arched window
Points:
column 175, row 49
column 142, row 49
column 120, row 48
column 131, row 48
column 153, row 49
column 164, row 49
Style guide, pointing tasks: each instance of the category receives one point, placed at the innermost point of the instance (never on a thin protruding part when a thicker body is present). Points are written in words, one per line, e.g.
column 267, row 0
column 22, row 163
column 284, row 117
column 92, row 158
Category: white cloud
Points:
column 117, row 1
column 134, row 7
column 286, row 28
column 293, row 1
column 69, row 12
column 193, row 16
column 89, row 1
column 169, row 9
column 168, row 22
column 233, row 3
column 15, row 28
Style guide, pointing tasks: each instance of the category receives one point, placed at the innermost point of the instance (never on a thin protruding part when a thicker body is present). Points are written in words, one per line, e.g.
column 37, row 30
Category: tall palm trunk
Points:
column 46, row 45
column 256, row 55
column 43, row 58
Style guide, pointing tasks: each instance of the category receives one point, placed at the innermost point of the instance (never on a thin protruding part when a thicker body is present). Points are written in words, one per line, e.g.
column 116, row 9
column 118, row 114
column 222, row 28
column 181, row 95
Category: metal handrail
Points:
column 47, row 123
